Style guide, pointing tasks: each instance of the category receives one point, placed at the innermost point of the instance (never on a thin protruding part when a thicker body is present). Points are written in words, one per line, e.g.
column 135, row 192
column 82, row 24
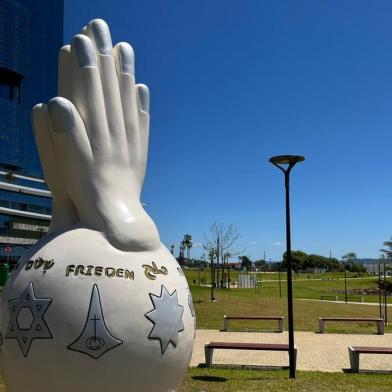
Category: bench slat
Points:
column 350, row 319
column 378, row 321
column 248, row 346
column 254, row 317
column 373, row 350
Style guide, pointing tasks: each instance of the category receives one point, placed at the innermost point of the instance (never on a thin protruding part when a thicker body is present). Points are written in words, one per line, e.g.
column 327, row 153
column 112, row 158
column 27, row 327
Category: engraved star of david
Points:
column 27, row 319
column 166, row 317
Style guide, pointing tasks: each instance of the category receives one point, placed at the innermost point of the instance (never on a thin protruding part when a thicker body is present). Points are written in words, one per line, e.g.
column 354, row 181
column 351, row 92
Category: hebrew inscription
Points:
column 39, row 263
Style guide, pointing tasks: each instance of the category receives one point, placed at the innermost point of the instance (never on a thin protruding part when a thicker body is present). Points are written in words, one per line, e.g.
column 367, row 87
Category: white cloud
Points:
column 278, row 243
column 252, row 243
column 197, row 245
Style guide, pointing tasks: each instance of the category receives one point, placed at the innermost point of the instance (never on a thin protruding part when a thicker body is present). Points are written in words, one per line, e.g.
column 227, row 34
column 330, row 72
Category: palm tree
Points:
column 187, row 243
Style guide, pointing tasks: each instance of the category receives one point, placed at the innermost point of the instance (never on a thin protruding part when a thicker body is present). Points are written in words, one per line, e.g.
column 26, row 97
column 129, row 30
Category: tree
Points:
column 172, row 249
column 220, row 241
column 181, row 253
column 245, row 262
column 350, row 259
column 261, row 263
column 357, row 267
column 187, row 244
column 298, row 260
column 387, row 252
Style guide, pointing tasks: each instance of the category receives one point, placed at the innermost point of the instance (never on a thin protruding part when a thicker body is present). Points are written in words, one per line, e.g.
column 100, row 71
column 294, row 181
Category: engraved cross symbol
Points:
column 95, row 319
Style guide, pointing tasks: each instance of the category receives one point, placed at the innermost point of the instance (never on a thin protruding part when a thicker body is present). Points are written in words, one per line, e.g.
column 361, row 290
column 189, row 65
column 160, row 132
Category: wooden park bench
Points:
column 378, row 321
column 227, row 318
column 210, row 347
column 355, row 351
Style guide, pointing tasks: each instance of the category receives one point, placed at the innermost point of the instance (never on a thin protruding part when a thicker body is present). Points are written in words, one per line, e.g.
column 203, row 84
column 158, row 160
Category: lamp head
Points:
column 286, row 159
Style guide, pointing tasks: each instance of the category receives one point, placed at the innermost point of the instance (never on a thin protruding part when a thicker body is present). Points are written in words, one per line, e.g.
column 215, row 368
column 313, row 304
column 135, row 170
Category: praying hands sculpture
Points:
column 93, row 141
column 99, row 303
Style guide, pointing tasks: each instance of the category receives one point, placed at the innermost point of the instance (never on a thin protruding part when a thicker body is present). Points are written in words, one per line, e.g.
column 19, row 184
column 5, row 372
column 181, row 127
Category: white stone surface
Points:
column 99, row 304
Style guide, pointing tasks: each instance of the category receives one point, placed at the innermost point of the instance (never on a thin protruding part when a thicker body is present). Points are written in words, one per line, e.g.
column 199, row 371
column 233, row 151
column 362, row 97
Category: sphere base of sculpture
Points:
column 80, row 315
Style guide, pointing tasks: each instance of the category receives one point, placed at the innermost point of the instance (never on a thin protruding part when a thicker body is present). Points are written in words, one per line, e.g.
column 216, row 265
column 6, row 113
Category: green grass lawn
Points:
column 193, row 275
column 248, row 302
column 314, row 289
column 244, row 380
column 305, row 286
column 227, row 380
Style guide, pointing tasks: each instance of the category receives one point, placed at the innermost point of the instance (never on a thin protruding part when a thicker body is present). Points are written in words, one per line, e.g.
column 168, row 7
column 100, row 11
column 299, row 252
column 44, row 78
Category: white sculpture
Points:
column 99, row 304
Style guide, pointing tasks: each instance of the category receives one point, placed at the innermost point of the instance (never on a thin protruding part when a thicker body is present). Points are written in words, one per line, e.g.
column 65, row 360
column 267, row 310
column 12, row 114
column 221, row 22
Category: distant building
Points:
column 31, row 33
column 376, row 268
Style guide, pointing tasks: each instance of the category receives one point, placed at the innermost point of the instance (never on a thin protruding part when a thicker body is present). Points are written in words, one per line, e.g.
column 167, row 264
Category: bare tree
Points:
column 220, row 241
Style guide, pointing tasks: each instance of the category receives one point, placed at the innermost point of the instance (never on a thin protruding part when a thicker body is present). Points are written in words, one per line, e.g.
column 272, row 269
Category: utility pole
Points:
column 212, row 275
column 217, row 259
column 345, row 283
column 385, row 297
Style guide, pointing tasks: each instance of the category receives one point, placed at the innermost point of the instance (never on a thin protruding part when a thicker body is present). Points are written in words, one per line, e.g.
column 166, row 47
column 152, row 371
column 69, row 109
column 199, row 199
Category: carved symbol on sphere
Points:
column 95, row 343
column 190, row 304
column 95, row 339
column 27, row 319
column 166, row 317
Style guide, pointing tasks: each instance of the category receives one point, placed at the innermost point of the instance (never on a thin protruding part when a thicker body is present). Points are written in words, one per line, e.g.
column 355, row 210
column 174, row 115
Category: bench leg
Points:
column 281, row 325
column 225, row 324
column 321, row 326
column 208, row 351
column 380, row 327
column 295, row 359
column 354, row 360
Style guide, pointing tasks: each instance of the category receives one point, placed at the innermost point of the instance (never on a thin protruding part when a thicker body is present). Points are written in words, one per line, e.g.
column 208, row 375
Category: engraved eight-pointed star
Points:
column 35, row 328
column 166, row 317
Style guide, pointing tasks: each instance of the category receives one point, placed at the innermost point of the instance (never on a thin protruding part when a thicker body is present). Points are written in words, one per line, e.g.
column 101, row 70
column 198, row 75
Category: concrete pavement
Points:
column 324, row 352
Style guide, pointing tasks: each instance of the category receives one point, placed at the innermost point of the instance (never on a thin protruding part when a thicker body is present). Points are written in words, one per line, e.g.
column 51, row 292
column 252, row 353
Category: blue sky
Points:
column 235, row 82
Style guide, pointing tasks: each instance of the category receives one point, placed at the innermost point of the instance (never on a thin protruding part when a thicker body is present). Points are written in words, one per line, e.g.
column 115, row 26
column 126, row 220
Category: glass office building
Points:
column 31, row 33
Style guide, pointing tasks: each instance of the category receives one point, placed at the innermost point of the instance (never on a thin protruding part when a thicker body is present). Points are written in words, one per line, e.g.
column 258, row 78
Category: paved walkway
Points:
column 323, row 352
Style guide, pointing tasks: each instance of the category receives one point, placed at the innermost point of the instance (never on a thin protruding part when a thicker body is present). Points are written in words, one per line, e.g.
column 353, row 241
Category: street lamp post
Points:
column 379, row 289
column 290, row 161
column 280, row 281
column 345, row 282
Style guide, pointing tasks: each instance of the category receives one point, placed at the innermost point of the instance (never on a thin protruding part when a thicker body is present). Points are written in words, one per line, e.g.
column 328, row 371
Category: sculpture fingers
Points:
column 73, row 149
column 125, row 65
column 69, row 135
column 65, row 73
column 143, row 96
column 64, row 214
column 99, row 33
column 87, row 94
